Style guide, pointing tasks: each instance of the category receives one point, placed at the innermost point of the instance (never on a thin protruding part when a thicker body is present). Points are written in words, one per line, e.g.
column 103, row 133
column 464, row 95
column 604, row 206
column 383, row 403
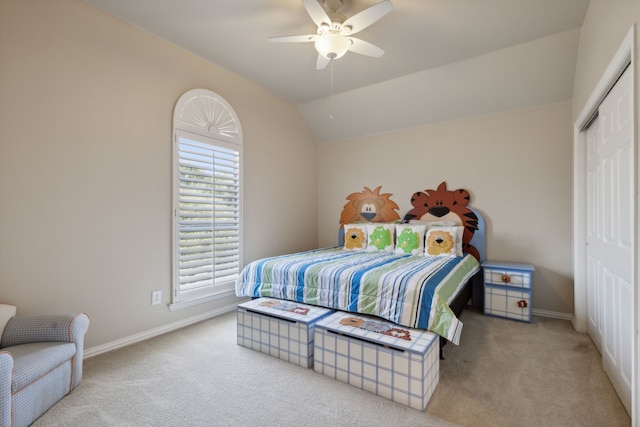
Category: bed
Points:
column 420, row 288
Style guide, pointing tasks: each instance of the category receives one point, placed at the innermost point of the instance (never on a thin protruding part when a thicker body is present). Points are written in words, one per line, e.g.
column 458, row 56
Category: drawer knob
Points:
column 523, row 304
column 506, row 278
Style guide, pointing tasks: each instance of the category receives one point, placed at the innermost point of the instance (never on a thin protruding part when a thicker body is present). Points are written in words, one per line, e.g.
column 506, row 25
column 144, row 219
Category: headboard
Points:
column 428, row 206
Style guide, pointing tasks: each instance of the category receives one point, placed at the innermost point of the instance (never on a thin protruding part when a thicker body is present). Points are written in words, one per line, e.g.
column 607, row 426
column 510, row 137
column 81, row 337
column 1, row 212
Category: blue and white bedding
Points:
column 409, row 290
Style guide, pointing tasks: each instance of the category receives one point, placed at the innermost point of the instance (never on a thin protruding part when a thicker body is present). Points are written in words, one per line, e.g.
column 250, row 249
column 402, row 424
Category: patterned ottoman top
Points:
column 379, row 331
column 286, row 309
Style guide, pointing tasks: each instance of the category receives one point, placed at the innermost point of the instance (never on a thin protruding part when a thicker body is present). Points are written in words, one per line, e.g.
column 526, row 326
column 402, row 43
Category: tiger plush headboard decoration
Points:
column 444, row 205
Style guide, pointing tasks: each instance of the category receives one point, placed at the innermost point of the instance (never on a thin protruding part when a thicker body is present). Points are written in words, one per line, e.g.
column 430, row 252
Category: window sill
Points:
column 193, row 302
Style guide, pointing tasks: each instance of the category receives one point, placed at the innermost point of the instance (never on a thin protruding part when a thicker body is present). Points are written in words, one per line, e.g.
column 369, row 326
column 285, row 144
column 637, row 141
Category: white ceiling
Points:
column 427, row 43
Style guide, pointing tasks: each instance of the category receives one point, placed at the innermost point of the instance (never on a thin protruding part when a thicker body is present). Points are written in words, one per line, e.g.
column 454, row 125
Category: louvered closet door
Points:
column 610, row 223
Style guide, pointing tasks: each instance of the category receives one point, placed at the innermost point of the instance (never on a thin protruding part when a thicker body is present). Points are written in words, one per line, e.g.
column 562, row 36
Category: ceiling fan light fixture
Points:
column 332, row 46
column 334, row 30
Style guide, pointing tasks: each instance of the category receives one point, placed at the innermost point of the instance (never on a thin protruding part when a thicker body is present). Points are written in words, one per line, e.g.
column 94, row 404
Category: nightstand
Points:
column 507, row 290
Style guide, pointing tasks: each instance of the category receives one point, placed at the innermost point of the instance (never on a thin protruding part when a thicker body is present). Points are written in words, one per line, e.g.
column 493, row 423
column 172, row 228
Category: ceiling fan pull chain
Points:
column 331, row 91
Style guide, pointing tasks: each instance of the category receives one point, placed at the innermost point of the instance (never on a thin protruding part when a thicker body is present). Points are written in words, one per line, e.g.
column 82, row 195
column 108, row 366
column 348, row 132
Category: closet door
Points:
column 610, row 239
column 594, row 231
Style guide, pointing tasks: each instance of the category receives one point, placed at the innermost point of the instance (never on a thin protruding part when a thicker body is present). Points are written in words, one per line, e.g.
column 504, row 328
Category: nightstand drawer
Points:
column 503, row 277
column 511, row 303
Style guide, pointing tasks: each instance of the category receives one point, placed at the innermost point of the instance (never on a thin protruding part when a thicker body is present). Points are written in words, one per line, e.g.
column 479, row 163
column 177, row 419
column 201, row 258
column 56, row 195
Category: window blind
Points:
column 208, row 213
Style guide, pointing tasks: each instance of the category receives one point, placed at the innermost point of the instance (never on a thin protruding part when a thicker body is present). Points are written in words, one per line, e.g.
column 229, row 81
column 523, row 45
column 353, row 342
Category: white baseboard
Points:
column 113, row 345
column 553, row 314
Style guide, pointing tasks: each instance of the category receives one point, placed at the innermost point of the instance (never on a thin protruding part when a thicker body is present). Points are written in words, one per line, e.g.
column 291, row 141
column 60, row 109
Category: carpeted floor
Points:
column 507, row 373
column 503, row 373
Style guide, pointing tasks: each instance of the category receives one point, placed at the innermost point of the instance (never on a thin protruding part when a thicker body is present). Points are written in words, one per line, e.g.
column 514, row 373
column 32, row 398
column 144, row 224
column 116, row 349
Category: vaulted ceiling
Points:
column 444, row 59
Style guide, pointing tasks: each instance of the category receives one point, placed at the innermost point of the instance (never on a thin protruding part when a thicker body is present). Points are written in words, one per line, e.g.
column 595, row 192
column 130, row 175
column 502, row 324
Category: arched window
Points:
column 207, row 189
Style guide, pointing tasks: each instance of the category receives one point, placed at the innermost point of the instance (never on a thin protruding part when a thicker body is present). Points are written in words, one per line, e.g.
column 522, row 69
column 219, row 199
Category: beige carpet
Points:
column 503, row 373
column 507, row 373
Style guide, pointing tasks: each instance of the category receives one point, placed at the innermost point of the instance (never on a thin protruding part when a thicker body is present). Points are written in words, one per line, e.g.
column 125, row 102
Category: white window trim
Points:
column 206, row 117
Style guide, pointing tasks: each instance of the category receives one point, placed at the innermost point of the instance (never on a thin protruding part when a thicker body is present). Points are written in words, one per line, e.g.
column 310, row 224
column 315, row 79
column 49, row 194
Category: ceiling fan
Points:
column 333, row 38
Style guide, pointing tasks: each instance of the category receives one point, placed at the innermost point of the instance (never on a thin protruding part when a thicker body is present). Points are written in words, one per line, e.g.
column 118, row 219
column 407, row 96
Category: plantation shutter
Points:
column 208, row 213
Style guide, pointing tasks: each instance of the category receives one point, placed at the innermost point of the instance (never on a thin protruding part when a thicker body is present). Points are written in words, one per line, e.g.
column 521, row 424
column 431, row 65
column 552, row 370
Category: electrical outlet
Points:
column 156, row 297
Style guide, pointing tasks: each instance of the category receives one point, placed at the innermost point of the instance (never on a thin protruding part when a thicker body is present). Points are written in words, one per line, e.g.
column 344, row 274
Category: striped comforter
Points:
column 412, row 291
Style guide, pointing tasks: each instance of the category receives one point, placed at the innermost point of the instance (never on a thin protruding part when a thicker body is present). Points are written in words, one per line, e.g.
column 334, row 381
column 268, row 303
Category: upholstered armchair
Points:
column 40, row 363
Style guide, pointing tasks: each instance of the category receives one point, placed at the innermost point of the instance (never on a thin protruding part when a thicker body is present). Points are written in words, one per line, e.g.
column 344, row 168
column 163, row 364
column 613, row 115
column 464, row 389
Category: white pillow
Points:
column 430, row 224
column 443, row 241
column 6, row 312
column 355, row 236
column 410, row 238
column 380, row 236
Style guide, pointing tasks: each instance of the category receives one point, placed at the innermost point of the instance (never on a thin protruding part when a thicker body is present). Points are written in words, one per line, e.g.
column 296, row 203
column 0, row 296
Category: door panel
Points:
column 610, row 231
column 594, row 303
column 594, row 280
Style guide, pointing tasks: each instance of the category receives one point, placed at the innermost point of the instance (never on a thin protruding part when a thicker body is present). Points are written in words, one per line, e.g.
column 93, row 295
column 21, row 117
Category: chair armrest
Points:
column 30, row 329
column 55, row 328
column 6, row 370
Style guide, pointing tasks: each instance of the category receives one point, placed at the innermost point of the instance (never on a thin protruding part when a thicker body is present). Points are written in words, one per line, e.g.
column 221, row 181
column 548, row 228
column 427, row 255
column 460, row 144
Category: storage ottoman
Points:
column 392, row 361
column 282, row 329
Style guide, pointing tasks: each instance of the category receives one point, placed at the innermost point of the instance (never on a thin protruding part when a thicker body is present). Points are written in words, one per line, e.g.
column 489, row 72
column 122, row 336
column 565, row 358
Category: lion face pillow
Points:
column 444, row 241
column 355, row 236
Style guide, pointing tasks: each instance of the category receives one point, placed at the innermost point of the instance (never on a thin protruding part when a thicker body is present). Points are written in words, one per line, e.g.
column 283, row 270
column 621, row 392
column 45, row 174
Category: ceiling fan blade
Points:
column 316, row 12
column 294, row 39
column 365, row 48
column 362, row 20
column 322, row 62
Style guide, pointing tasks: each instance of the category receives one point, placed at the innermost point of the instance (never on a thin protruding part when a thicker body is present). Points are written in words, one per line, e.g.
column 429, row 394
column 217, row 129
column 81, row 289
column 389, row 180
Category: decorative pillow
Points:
column 6, row 312
column 444, row 241
column 380, row 236
column 410, row 238
column 355, row 236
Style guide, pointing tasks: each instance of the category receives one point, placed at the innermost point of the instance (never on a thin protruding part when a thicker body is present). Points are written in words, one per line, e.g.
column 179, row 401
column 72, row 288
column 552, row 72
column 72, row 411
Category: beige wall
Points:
column 85, row 121
column 606, row 24
column 516, row 165
column 86, row 102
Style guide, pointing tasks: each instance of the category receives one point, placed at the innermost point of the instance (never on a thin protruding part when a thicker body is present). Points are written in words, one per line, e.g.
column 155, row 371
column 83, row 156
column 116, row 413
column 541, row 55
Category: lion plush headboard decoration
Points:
column 440, row 205
column 367, row 207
